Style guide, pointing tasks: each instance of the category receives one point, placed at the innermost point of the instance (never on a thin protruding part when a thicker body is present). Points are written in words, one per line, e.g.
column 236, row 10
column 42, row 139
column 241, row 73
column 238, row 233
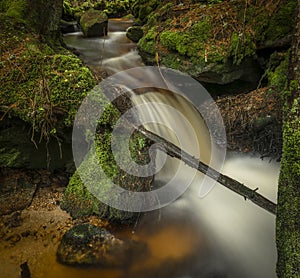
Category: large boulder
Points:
column 86, row 244
column 94, row 23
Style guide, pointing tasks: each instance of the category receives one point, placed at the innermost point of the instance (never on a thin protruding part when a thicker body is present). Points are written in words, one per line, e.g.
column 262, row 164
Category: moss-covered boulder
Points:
column 218, row 43
column 94, row 23
column 42, row 87
column 90, row 190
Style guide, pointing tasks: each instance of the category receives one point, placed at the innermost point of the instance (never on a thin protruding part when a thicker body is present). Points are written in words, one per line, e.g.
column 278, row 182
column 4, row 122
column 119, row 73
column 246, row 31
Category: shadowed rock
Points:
column 86, row 244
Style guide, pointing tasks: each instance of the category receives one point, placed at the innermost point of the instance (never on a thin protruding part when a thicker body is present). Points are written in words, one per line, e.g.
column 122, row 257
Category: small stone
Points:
column 86, row 244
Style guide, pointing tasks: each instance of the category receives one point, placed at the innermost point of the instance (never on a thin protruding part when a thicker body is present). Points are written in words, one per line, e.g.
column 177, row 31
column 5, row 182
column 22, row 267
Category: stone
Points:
column 86, row 244
column 68, row 26
column 134, row 33
column 16, row 191
column 94, row 23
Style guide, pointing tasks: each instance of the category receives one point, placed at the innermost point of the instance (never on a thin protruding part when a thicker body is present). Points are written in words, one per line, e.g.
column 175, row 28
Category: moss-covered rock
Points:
column 74, row 9
column 94, row 23
column 41, row 86
column 90, row 189
column 213, row 43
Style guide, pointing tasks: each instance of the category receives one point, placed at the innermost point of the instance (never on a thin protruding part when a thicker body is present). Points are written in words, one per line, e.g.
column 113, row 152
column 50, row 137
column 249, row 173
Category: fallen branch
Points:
column 193, row 162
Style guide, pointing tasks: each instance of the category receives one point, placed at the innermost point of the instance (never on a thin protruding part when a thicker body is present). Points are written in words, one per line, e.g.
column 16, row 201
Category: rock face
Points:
column 86, row 244
column 94, row 23
column 134, row 33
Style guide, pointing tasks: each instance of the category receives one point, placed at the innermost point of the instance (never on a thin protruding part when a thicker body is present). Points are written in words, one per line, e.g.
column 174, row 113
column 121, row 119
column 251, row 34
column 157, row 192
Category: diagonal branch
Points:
column 237, row 187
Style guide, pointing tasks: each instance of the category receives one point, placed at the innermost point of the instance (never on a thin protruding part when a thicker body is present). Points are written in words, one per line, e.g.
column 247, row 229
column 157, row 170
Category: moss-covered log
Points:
column 288, row 209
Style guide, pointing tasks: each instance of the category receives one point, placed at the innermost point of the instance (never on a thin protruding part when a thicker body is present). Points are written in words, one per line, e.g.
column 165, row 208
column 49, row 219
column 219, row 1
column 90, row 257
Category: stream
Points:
column 219, row 235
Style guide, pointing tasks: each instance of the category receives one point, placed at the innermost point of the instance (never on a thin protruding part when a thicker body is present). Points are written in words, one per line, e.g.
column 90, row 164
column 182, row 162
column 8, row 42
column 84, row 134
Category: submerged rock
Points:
column 86, row 244
column 94, row 23
column 16, row 191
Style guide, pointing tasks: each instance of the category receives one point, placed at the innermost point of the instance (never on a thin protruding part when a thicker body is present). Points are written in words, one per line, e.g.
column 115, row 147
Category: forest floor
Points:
column 30, row 237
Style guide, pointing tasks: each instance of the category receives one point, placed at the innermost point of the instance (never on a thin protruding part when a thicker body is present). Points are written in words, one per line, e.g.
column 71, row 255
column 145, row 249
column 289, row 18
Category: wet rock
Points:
column 86, row 244
column 16, row 192
column 134, row 33
column 69, row 26
column 94, row 23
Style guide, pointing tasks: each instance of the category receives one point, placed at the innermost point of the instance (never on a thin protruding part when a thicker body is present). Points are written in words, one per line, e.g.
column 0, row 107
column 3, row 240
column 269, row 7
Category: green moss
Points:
column 17, row 9
column 288, row 208
column 282, row 22
column 241, row 47
column 90, row 18
column 147, row 43
column 277, row 78
column 42, row 82
column 42, row 86
column 78, row 200
column 190, row 43
column 141, row 9
column 10, row 158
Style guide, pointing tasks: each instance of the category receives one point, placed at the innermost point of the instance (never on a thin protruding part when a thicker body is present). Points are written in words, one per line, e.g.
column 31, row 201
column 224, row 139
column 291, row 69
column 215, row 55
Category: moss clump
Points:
column 190, row 43
column 141, row 9
column 11, row 158
column 241, row 47
column 277, row 78
column 40, row 86
column 282, row 22
column 147, row 43
column 16, row 9
column 288, row 208
column 44, row 88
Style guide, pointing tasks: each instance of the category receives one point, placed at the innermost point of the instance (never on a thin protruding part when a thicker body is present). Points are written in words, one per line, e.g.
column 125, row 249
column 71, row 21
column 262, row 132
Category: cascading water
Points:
column 219, row 235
